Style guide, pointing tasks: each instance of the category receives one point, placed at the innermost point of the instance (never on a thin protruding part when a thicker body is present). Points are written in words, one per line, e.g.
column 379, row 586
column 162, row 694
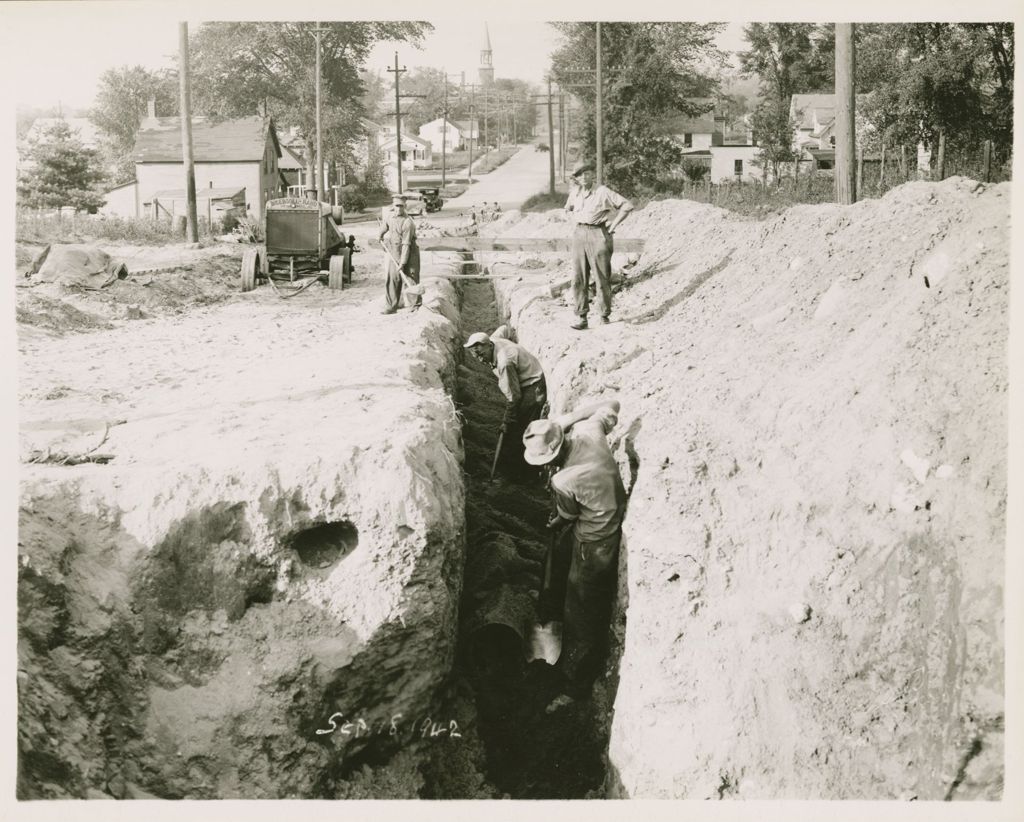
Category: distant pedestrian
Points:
column 402, row 254
column 596, row 212
column 588, row 492
column 520, row 378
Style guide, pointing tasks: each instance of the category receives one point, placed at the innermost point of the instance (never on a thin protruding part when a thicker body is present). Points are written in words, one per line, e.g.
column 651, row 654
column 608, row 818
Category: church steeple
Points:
column 486, row 70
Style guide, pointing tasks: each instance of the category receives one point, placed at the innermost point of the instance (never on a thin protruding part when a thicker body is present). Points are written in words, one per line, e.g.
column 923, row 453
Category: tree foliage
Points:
column 654, row 70
column 121, row 104
column 244, row 68
column 57, row 170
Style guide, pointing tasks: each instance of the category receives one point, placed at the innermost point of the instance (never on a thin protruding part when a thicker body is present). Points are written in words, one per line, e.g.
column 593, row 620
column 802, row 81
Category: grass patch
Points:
column 31, row 227
column 545, row 201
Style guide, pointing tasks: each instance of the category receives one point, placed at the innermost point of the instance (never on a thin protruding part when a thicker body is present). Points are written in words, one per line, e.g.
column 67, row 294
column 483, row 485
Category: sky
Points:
column 86, row 39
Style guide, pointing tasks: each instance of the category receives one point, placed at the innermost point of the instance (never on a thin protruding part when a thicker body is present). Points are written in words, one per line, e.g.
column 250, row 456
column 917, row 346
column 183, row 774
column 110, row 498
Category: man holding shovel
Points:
column 402, row 256
column 588, row 494
column 520, row 378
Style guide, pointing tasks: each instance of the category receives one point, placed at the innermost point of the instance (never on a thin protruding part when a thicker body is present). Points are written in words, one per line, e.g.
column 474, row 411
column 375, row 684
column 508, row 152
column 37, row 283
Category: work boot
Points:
column 388, row 310
column 580, row 324
column 605, row 320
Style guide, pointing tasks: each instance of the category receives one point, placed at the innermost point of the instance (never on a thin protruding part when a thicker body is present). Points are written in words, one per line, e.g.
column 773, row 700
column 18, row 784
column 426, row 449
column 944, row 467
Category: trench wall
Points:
column 814, row 435
column 277, row 537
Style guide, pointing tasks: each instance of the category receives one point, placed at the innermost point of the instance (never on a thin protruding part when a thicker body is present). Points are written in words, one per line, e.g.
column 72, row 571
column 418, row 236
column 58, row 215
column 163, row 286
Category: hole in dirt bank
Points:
column 325, row 544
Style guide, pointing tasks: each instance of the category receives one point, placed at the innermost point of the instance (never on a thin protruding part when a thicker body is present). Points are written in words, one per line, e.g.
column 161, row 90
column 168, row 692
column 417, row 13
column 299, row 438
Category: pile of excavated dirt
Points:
column 238, row 527
column 163, row 280
column 814, row 432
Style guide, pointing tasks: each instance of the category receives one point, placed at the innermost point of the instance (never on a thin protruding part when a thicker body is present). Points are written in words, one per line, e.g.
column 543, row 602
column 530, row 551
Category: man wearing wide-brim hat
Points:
column 403, row 255
column 597, row 211
column 588, row 492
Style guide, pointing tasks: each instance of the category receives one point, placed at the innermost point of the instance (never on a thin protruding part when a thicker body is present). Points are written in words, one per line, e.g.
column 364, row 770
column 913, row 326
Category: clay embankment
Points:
column 274, row 534
column 814, row 434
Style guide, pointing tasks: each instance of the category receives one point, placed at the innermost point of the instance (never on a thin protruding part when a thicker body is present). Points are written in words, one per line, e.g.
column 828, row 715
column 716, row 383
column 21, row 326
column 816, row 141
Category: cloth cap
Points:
column 542, row 440
column 581, row 167
column 476, row 338
column 398, row 199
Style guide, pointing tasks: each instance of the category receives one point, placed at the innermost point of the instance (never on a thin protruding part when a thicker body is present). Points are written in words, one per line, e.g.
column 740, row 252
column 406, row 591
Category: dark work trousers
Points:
column 588, row 607
column 531, row 407
column 393, row 288
column 592, row 253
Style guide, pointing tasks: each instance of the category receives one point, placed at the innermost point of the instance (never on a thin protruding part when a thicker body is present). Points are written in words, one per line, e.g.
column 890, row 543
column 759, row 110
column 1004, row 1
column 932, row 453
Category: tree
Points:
column 654, row 70
column 121, row 103
column 245, row 68
column 57, row 170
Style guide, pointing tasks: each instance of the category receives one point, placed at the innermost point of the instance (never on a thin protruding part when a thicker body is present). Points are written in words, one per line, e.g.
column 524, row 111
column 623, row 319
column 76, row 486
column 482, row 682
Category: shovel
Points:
column 497, row 453
column 413, row 288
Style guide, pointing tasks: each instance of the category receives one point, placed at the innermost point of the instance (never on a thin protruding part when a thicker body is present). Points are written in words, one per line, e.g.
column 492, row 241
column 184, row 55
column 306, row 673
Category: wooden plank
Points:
column 539, row 244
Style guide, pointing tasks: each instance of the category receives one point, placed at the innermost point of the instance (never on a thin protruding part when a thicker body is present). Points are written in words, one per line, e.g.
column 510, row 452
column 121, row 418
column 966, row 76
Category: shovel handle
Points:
column 497, row 453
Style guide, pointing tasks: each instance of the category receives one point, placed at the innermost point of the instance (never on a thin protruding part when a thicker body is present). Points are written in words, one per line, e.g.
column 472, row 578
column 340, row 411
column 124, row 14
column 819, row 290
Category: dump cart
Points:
column 304, row 240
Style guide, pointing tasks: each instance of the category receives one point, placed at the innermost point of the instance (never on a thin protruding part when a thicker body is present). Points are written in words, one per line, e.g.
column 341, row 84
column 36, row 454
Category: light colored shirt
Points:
column 515, row 368
column 401, row 235
column 588, row 487
column 595, row 207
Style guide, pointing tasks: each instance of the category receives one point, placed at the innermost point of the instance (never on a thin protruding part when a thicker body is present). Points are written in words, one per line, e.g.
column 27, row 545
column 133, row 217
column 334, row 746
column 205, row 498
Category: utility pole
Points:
column 561, row 133
column 444, row 134
column 846, row 137
column 551, row 144
column 598, row 117
column 321, row 189
column 472, row 116
column 398, row 120
column 188, row 158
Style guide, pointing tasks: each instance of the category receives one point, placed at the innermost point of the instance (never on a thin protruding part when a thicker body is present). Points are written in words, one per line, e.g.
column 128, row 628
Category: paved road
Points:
column 518, row 178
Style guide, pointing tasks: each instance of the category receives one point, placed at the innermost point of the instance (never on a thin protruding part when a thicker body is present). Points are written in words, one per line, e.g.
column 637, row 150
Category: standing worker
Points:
column 403, row 256
column 520, row 378
column 597, row 212
column 589, row 493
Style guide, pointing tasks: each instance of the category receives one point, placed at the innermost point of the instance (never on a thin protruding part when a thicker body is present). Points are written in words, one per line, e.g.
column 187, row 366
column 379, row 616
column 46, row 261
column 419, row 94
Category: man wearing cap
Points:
column 403, row 250
column 520, row 378
column 597, row 212
column 589, row 493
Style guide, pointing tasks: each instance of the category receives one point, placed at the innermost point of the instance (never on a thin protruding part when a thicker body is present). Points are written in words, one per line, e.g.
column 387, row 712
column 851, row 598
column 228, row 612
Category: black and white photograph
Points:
column 430, row 403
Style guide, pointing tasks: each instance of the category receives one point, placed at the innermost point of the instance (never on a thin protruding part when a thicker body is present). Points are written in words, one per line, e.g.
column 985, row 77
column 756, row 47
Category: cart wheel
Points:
column 250, row 265
column 338, row 270
column 264, row 266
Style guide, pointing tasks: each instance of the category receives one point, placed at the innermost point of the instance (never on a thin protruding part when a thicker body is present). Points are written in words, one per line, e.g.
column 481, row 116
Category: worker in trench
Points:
column 596, row 212
column 521, row 379
column 588, row 493
column 402, row 255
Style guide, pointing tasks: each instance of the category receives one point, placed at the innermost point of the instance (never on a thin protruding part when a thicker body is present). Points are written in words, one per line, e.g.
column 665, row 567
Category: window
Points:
column 832, row 141
column 825, row 165
column 737, row 168
column 688, row 140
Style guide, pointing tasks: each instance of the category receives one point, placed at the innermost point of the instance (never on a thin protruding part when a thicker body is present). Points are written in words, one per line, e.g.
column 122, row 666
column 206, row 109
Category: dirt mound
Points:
column 814, row 430
column 275, row 539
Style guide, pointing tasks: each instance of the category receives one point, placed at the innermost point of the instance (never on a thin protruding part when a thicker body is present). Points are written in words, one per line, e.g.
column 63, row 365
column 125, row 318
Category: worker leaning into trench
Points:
column 588, row 494
column 521, row 379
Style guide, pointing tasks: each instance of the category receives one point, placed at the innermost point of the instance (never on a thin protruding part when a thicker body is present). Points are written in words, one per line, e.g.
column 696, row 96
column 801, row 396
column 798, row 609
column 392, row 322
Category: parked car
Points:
column 542, row 147
column 431, row 199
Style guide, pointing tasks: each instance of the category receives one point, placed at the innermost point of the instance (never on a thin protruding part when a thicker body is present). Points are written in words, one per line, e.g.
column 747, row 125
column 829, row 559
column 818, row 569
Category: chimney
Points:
column 152, row 108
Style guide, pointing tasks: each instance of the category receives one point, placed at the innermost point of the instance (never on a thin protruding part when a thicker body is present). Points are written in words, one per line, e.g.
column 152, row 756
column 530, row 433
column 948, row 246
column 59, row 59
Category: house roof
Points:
column 406, row 137
column 440, row 121
column 811, row 108
column 290, row 160
column 240, row 140
column 464, row 125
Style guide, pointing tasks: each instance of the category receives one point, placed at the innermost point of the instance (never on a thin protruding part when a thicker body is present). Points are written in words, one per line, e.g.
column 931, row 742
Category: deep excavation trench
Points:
column 529, row 752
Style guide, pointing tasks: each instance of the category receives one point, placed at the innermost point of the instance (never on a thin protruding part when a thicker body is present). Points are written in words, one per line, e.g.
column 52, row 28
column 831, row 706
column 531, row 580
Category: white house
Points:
column 416, row 152
column 235, row 154
column 435, row 131
column 470, row 129
column 814, row 130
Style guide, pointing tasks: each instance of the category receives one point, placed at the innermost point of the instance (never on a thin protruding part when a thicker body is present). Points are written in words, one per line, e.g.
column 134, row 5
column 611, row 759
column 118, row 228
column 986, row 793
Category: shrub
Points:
column 353, row 198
